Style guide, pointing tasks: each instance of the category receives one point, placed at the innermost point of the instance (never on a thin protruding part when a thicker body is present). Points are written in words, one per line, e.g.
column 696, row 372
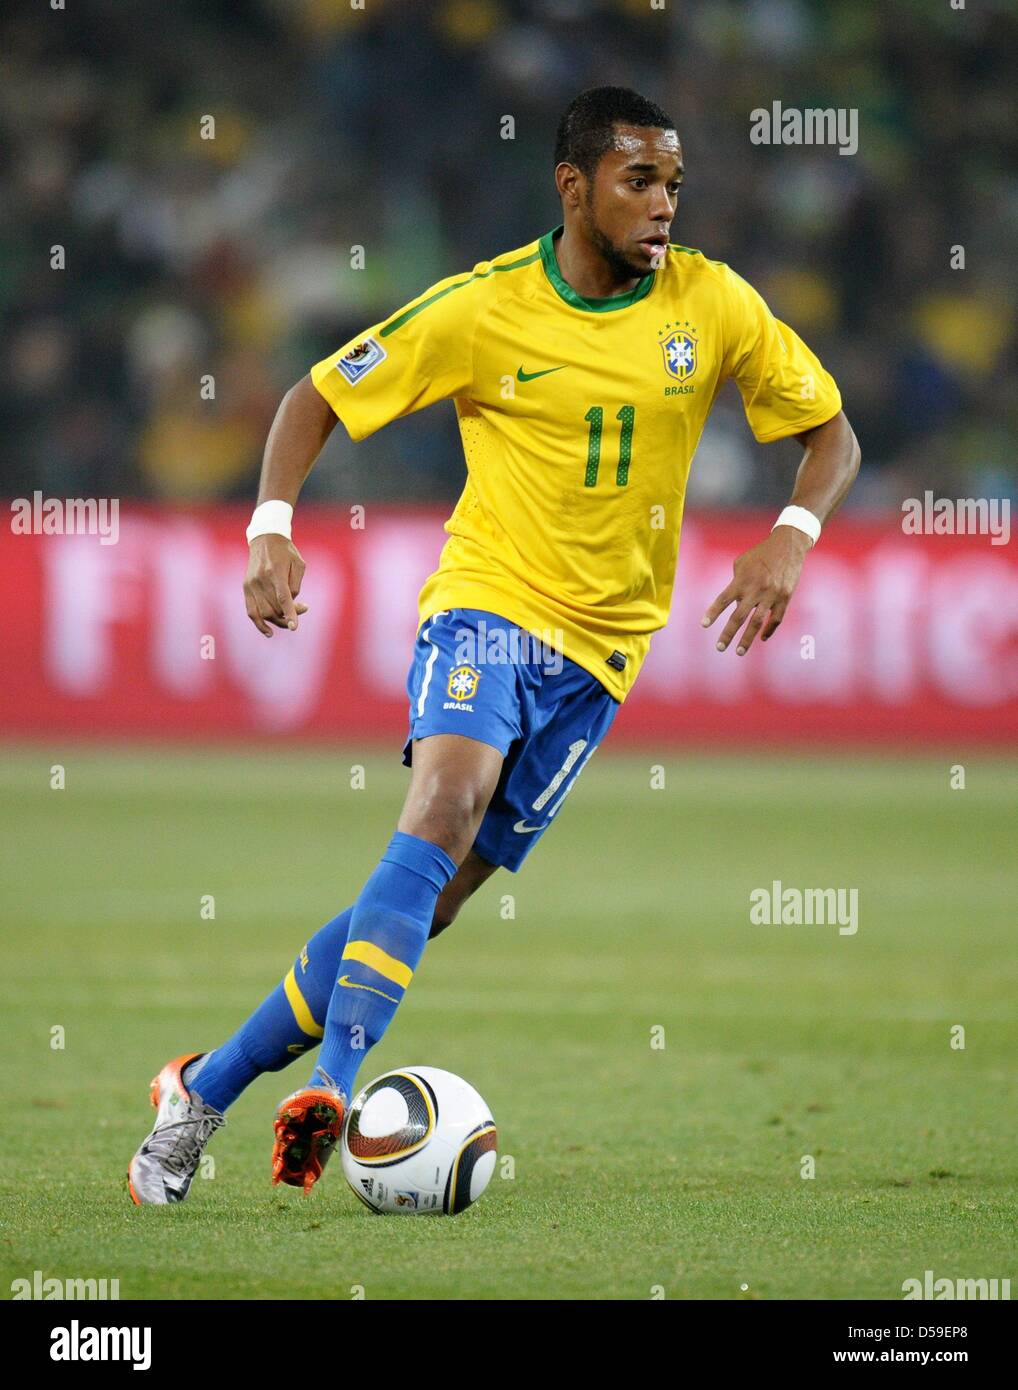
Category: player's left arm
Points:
column 764, row 577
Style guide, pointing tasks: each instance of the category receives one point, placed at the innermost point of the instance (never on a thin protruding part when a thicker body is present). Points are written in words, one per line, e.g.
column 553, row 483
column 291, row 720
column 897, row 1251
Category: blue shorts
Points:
column 476, row 674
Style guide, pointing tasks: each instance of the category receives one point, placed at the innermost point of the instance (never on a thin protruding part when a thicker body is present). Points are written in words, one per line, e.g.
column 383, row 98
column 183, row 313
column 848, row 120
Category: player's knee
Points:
column 463, row 802
column 448, row 815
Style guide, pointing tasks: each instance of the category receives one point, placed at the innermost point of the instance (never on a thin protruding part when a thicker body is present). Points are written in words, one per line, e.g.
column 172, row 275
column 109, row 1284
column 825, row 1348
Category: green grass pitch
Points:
column 635, row 1168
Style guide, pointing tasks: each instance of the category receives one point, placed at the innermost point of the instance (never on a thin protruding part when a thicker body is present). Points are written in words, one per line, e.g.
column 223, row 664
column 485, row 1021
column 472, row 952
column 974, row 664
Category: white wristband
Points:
column 270, row 519
column 802, row 520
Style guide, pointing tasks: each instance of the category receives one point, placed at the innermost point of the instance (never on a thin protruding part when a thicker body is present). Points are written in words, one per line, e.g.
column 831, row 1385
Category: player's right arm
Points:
column 421, row 354
column 275, row 569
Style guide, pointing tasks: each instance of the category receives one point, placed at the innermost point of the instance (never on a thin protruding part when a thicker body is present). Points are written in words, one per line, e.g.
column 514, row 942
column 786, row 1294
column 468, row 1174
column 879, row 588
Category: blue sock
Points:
column 283, row 1027
column 390, row 925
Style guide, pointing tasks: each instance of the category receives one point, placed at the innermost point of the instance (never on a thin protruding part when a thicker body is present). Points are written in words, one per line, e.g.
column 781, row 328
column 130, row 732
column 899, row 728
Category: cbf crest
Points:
column 463, row 682
column 679, row 346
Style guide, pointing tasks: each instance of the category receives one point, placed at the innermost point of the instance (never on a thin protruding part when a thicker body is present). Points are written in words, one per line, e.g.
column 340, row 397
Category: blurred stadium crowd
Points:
column 338, row 127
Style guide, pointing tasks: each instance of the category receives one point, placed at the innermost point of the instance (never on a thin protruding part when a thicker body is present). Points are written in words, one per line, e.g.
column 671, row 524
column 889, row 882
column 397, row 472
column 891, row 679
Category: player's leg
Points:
column 288, row 1023
column 293, row 1017
column 471, row 874
column 568, row 716
column 464, row 716
column 464, row 795
column 452, row 782
column 192, row 1092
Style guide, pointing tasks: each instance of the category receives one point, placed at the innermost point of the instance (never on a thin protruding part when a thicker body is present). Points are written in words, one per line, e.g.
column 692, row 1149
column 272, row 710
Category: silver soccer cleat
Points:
column 162, row 1169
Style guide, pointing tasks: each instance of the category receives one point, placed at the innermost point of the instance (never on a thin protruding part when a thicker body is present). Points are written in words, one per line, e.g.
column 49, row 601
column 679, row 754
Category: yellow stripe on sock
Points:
column 369, row 954
column 301, row 1012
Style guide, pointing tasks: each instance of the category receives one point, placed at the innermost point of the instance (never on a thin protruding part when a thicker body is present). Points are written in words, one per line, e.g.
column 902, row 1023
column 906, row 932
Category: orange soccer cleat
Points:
column 307, row 1126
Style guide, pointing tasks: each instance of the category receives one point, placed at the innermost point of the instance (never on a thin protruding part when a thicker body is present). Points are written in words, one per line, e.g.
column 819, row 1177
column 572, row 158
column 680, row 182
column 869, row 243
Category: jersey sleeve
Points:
column 421, row 354
column 784, row 386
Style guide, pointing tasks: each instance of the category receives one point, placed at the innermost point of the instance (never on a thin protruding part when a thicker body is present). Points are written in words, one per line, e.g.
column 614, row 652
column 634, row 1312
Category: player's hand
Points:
column 763, row 583
column 275, row 572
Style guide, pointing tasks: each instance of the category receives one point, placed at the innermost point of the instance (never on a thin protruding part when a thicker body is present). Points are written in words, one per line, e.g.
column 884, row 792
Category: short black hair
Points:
column 587, row 128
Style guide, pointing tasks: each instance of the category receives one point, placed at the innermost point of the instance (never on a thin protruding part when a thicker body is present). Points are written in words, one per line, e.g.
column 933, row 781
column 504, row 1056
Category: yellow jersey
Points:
column 579, row 420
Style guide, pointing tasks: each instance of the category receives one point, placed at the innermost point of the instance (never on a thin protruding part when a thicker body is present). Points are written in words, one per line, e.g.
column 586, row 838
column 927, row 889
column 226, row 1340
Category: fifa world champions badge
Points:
column 364, row 358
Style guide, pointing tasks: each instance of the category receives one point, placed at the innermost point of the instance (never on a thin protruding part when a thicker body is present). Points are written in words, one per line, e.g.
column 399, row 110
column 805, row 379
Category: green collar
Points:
column 565, row 291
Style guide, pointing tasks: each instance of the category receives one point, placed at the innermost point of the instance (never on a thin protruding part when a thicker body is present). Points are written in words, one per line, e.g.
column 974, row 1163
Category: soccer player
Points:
column 583, row 367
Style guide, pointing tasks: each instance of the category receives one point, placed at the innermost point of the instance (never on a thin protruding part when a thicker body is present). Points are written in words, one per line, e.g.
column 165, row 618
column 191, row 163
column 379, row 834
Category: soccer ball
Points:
column 418, row 1140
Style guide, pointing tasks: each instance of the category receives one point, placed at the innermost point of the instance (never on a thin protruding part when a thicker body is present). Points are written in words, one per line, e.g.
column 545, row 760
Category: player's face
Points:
column 631, row 200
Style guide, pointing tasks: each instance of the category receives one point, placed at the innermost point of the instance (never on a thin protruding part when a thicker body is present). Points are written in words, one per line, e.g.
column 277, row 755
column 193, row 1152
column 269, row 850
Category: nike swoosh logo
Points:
column 521, row 375
column 352, row 984
column 522, row 828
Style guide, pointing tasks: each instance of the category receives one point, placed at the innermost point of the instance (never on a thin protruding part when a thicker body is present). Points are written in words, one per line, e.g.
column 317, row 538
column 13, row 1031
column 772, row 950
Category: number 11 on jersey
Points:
column 595, row 418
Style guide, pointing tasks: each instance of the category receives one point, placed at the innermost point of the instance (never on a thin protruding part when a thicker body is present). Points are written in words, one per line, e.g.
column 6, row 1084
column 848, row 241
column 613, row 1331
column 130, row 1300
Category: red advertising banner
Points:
column 910, row 638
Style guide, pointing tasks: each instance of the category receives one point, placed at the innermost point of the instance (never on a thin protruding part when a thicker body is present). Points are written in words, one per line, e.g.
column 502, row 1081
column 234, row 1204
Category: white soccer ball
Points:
column 418, row 1140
